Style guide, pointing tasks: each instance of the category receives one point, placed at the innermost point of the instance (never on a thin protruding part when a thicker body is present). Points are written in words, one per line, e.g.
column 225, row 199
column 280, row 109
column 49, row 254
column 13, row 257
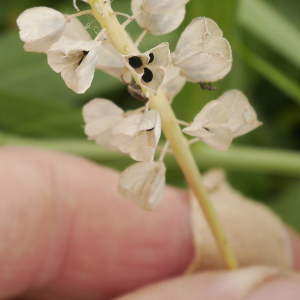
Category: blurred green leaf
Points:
column 34, row 100
column 278, row 78
column 266, row 23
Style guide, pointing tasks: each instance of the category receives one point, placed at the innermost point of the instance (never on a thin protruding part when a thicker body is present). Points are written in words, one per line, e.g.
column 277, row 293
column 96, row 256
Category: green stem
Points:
column 119, row 38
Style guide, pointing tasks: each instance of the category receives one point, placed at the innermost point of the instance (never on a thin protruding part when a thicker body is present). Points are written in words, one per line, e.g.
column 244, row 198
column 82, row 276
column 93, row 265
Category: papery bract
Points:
column 40, row 28
column 157, row 24
column 138, row 134
column 76, row 61
column 148, row 66
column 202, row 54
column 143, row 183
column 163, row 6
column 100, row 116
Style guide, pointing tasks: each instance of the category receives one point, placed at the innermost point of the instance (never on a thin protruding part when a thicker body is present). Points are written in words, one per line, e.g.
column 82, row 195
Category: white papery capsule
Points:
column 242, row 116
column 76, row 31
column 40, row 28
column 162, row 6
column 223, row 119
column 202, row 54
column 138, row 135
column 209, row 126
column 148, row 66
column 76, row 61
column 110, row 61
column 143, row 183
column 100, row 116
column 173, row 82
column 157, row 24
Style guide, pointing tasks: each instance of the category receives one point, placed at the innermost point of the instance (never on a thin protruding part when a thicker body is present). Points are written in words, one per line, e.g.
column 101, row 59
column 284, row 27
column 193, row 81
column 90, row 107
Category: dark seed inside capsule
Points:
column 148, row 75
column 206, row 129
column 85, row 53
column 135, row 62
column 151, row 55
column 150, row 129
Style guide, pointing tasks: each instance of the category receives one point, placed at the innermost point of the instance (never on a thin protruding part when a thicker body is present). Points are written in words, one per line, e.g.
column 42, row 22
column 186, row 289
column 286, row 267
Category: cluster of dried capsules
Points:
column 201, row 56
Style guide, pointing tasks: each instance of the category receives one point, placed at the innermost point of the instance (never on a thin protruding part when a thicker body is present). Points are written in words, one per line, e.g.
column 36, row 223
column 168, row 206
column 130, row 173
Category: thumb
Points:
column 252, row 283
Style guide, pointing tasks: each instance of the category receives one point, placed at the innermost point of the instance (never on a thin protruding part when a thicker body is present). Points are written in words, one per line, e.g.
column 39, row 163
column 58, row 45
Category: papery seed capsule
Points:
column 136, row 91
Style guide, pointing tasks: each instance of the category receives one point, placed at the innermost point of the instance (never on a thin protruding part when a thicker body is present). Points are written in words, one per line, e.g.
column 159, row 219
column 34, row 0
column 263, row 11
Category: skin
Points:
column 66, row 233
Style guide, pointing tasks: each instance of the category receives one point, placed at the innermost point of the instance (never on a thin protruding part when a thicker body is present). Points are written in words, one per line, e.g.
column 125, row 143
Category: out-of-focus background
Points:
column 37, row 109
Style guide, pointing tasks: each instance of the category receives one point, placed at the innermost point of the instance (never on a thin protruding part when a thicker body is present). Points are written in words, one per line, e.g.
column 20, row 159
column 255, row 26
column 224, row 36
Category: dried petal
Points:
column 76, row 61
column 163, row 6
column 201, row 53
column 40, row 28
column 101, row 116
column 138, row 135
column 157, row 24
column 143, row 183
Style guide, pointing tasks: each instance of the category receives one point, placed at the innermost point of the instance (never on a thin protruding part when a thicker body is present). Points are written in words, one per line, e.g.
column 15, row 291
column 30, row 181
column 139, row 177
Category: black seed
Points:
column 206, row 129
column 151, row 55
column 135, row 62
column 148, row 75
column 150, row 129
column 85, row 53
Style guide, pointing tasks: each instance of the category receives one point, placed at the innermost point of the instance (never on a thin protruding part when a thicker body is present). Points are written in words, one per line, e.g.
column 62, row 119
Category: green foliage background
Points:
column 37, row 109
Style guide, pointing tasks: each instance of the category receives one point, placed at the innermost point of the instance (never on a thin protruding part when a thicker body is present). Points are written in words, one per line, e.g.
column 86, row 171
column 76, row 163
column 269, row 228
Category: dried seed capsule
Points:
column 202, row 54
column 148, row 66
column 143, row 183
column 136, row 91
